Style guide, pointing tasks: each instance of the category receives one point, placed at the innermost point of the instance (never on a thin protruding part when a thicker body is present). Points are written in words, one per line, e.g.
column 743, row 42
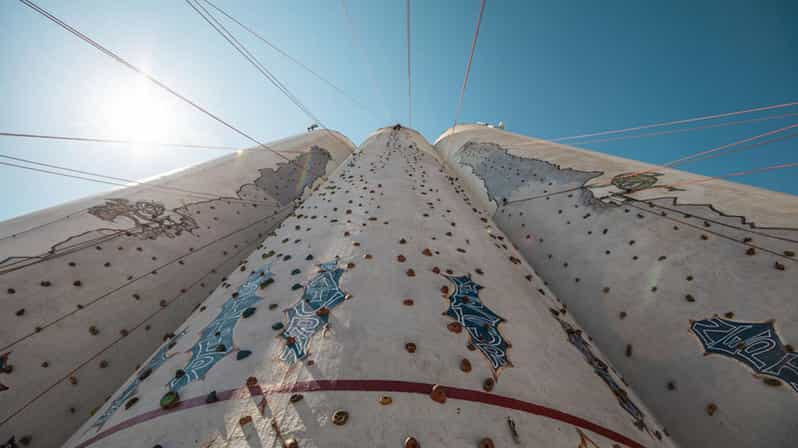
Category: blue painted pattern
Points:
column 127, row 393
column 754, row 344
column 480, row 322
column 216, row 339
column 603, row 371
column 304, row 318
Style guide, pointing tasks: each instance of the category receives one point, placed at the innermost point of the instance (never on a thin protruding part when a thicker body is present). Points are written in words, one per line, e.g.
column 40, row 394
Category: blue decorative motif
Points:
column 602, row 370
column 216, row 339
column 754, row 344
column 311, row 313
column 127, row 393
column 480, row 322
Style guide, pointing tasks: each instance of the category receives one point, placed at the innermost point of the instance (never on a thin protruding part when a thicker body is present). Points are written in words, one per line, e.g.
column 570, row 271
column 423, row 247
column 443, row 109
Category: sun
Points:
column 135, row 113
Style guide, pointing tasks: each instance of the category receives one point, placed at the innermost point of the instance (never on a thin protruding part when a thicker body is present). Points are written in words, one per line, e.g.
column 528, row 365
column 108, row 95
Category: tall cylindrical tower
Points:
column 89, row 289
column 388, row 310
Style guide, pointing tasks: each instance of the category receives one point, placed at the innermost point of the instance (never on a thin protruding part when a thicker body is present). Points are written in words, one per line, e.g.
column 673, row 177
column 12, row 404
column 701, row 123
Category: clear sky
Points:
column 546, row 68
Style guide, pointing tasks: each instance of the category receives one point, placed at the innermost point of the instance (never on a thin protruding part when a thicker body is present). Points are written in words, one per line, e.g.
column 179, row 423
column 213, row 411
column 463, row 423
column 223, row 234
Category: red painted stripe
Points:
column 455, row 393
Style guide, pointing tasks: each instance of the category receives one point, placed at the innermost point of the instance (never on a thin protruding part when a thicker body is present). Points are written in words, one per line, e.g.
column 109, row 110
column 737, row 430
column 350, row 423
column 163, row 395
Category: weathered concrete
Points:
column 327, row 308
column 638, row 259
column 89, row 289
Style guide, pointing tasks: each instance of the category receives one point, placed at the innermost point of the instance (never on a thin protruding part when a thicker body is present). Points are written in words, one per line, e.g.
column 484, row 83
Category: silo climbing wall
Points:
column 388, row 310
column 687, row 285
column 89, row 289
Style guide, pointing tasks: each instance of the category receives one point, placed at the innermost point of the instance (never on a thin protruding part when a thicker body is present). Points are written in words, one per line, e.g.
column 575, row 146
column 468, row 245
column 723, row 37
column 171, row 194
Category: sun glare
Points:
column 135, row 113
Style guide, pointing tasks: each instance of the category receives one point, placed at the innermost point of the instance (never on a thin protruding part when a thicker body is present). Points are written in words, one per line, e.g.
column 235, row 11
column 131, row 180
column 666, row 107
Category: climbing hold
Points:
column 438, row 394
column 340, row 417
column 750, row 251
column 272, row 306
column 323, row 311
column 778, row 266
column 277, row 326
column 411, row 442
column 295, row 271
column 245, row 420
column 243, row 354
column 455, row 327
column 407, row 302
column 711, row 409
column 296, row 286
column 212, row 397
column 248, row 312
column 689, row 298
column 488, row 384
column 401, row 258
column 93, row 330
column 170, row 400
column 771, row 382
column 180, row 373
column 220, row 348
column 144, row 374
column 131, row 402
column 410, row 347
column 628, row 350
column 290, row 443
column 385, row 400
column 103, row 364
column 309, row 257
column 513, row 430
column 252, row 381
column 296, row 398
column 20, row 312
column 427, row 252
column 465, row 365
column 266, row 282
column 486, row 443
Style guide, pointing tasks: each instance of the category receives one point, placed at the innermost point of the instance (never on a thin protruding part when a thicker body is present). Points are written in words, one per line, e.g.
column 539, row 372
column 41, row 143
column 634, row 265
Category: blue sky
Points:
column 546, row 68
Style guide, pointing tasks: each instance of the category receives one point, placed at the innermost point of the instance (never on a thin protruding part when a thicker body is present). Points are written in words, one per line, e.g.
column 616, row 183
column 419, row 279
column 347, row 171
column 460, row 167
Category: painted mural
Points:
column 754, row 344
column 633, row 182
column 150, row 219
column 481, row 323
column 130, row 391
column 603, row 371
column 311, row 312
column 216, row 339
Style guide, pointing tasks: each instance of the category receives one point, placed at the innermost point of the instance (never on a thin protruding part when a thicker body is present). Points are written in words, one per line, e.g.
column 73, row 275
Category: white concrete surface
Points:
column 637, row 268
column 391, row 218
column 133, row 274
